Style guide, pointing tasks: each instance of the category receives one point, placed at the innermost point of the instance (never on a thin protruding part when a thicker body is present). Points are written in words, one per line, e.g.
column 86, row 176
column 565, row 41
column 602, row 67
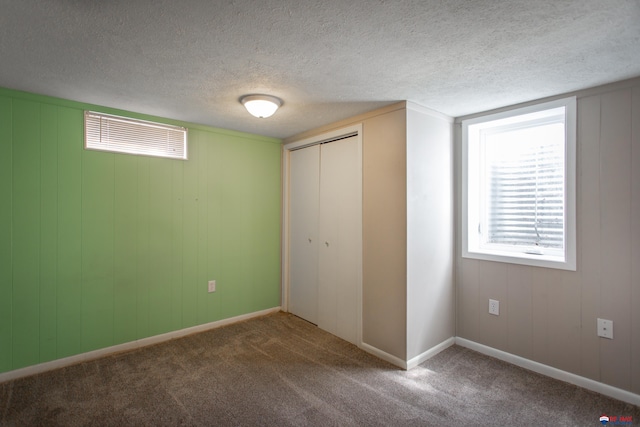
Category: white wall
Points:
column 430, row 290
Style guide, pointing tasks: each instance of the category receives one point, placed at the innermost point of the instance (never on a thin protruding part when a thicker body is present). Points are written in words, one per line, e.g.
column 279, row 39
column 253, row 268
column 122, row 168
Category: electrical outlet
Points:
column 212, row 285
column 494, row 307
column 605, row 328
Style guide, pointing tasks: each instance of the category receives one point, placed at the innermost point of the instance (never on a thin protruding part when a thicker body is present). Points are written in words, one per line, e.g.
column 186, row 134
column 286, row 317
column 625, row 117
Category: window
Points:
column 105, row 132
column 518, row 203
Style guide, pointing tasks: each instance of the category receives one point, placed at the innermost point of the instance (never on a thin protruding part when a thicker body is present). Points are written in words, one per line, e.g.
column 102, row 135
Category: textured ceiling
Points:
column 328, row 60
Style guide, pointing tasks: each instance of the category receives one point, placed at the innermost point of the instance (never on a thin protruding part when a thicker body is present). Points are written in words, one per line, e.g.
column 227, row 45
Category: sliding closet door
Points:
column 303, row 231
column 340, row 233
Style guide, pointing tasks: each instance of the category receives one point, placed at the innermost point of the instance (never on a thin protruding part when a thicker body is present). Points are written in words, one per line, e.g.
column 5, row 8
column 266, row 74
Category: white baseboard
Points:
column 412, row 363
column 132, row 345
column 384, row 355
column 598, row 387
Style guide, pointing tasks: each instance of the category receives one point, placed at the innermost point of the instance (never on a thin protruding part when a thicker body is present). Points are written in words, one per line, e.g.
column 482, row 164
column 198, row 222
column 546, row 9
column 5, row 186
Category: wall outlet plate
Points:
column 494, row 307
column 605, row 328
column 212, row 285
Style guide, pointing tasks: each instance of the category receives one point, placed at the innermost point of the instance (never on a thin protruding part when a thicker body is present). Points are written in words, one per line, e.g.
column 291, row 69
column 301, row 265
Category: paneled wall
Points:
column 549, row 316
column 98, row 249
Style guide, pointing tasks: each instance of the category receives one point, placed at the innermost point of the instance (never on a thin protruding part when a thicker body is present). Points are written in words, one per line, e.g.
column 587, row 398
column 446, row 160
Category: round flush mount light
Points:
column 261, row 106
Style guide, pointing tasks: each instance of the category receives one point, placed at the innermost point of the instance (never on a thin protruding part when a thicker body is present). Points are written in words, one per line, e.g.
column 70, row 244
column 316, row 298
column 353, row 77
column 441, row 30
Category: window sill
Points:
column 545, row 261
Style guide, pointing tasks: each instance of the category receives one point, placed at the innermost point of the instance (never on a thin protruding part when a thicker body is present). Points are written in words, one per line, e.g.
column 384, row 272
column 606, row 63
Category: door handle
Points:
column 326, row 243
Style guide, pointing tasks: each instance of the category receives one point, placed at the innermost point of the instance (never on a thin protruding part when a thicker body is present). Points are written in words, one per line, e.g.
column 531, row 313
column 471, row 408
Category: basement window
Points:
column 518, row 203
column 105, row 132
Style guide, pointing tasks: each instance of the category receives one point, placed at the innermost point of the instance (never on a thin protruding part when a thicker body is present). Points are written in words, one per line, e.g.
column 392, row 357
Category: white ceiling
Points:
column 328, row 60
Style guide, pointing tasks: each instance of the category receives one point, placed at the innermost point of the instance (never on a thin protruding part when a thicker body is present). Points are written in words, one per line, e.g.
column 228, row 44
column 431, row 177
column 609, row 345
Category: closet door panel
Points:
column 303, row 222
column 340, row 238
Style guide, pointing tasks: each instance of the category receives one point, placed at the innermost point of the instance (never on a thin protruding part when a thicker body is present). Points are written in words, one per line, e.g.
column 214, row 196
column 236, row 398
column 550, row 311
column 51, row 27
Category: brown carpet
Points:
column 279, row 370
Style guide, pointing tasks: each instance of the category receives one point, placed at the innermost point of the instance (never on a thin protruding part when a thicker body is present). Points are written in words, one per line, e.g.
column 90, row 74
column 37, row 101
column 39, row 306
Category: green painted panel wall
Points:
column 69, row 192
column 99, row 249
column 6, row 241
column 48, row 230
column 26, row 123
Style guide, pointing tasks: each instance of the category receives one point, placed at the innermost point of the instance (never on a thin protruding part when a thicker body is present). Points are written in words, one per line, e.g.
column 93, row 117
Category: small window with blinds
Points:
column 116, row 134
column 519, row 186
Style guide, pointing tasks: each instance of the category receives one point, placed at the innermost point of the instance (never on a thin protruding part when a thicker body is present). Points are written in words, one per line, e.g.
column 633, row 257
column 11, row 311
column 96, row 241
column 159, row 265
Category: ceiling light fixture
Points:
column 261, row 106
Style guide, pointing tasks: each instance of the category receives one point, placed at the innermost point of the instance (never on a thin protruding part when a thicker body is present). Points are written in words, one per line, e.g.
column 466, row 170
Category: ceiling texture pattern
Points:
column 328, row 60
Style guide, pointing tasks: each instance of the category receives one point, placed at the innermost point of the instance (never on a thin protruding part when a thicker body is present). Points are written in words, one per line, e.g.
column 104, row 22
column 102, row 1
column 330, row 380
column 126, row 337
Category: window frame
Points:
column 133, row 136
column 473, row 250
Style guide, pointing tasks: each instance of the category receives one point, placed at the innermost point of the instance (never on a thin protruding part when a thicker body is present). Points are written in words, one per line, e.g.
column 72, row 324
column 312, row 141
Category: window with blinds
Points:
column 519, row 186
column 116, row 134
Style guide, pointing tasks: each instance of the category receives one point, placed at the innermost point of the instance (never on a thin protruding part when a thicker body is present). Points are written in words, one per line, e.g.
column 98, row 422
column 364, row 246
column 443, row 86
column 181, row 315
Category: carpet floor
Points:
column 279, row 370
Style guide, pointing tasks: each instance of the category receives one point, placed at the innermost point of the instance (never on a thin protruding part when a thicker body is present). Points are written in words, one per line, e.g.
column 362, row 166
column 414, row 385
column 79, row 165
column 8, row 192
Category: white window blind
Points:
column 524, row 178
column 106, row 132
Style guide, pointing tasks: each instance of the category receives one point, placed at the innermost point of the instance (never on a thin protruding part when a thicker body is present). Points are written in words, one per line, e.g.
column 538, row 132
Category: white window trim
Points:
column 569, row 262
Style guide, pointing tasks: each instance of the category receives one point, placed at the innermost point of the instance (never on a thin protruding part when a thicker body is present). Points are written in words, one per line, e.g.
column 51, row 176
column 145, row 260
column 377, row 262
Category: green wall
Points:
column 98, row 249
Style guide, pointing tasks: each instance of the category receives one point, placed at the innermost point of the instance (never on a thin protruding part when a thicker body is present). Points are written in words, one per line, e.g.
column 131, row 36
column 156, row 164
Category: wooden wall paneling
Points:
column 125, row 262
column 160, row 232
column 177, row 243
column 565, row 305
column 246, row 272
column 250, row 234
column 540, row 305
column 265, row 291
column 69, row 288
column 190, row 233
column 519, row 311
column 92, row 243
column 242, row 175
column 588, row 232
column 225, row 167
column 635, row 241
column 615, row 296
column 493, row 285
column 49, row 231
column 142, row 248
column 225, row 236
column 564, row 320
column 469, row 307
column 202, row 301
column 97, row 249
column 26, row 233
column 234, row 233
column 6, row 242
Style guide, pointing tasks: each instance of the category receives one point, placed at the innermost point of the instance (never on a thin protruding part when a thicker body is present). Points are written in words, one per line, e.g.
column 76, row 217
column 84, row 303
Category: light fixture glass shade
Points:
column 261, row 106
